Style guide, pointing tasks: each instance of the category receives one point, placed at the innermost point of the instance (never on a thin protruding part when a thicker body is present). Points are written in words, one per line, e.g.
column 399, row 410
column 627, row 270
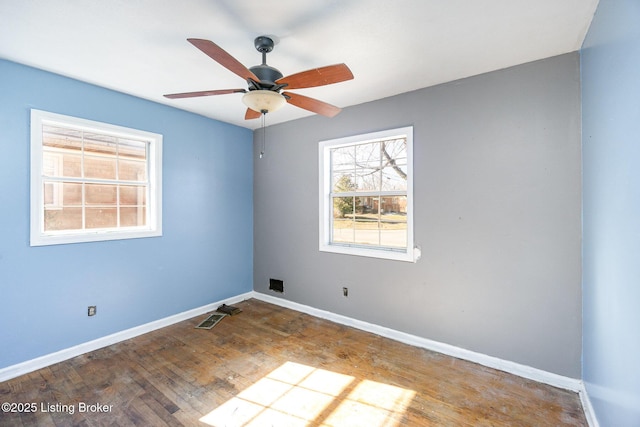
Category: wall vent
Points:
column 276, row 285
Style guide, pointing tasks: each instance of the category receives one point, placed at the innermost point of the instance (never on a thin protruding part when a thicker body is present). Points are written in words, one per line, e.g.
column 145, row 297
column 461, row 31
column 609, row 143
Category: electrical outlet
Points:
column 91, row 311
column 345, row 291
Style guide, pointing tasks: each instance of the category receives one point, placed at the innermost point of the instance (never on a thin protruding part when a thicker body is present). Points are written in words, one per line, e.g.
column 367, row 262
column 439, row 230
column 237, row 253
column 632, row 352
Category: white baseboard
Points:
column 524, row 371
column 59, row 356
column 589, row 412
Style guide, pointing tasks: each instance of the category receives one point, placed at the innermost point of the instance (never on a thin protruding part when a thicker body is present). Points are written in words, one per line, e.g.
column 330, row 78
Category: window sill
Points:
column 412, row 255
column 97, row 236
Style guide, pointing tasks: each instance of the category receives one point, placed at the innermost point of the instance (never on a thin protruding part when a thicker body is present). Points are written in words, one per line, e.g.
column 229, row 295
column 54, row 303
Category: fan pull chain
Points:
column 264, row 134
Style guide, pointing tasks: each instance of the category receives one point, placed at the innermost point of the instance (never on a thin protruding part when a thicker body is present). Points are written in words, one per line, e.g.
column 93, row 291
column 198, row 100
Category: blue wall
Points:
column 205, row 254
column 611, row 212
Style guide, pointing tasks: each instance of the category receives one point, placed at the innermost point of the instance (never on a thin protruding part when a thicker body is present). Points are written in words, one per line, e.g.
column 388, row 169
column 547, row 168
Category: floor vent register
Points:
column 213, row 319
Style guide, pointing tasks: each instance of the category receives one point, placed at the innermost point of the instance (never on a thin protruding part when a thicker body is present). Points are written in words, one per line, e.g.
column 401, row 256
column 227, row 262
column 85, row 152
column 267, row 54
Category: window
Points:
column 366, row 195
column 93, row 181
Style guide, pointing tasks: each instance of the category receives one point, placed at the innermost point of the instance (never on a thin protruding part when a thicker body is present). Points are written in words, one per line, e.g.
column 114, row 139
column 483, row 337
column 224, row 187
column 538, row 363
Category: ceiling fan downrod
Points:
column 264, row 45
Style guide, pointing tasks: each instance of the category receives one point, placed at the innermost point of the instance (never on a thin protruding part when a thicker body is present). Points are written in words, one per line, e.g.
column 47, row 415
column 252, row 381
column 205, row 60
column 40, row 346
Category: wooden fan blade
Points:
column 223, row 58
column 251, row 114
column 203, row 93
column 317, row 77
column 311, row 104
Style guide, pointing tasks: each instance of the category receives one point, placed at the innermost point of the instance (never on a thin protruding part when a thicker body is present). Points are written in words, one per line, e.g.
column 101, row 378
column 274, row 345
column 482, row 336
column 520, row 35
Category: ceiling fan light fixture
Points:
column 263, row 100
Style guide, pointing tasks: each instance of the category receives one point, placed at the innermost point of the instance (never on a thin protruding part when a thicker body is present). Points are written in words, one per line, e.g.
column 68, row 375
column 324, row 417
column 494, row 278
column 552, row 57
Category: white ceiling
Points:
column 139, row 47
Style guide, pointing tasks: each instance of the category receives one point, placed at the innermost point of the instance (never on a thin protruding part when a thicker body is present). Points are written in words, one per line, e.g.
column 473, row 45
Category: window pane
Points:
column 343, row 159
column 56, row 137
column 366, row 231
column 51, row 164
column 100, row 167
column 394, row 207
column 133, row 149
column 95, row 143
column 343, row 182
column 62, row 219
column 366, row 221
column 132, row 160
column 98, row 194
column 395, row 149
column 393, row 221
column 343, row 207
column 132, row 216
column 342, row 231
column 394, row 172
column 57, row 194
column 368, row 166
column 394, row 178
column 72, row 164
column 100, row 153
column 343, row 219
column 61, row 152
column 71, row 194
column 51, row 192
column 132, row 170
column 367, row 206
column 132, row 195
column 394, row 237
column 101, row 217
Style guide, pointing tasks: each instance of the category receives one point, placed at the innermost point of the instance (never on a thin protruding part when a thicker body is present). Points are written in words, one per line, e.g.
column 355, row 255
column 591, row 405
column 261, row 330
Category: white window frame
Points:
column 153, row 227
column 411, row 254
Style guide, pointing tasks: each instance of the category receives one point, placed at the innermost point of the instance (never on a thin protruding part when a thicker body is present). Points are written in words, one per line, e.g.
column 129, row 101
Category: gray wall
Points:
column 497, row 214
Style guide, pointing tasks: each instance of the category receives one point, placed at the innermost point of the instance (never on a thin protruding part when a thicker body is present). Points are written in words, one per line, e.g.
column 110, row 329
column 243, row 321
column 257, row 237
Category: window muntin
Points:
column 366, row 195
column 92, row 181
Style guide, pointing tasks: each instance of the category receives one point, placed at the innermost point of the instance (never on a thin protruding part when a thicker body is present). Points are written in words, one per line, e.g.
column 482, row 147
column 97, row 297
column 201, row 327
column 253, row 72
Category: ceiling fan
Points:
column 266, row 84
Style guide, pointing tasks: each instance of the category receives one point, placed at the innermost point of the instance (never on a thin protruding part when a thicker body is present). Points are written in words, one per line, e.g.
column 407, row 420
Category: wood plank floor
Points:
column 271, row 366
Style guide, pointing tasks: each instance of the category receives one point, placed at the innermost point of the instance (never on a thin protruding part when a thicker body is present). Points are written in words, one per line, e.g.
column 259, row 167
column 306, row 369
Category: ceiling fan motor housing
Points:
column 267, row 75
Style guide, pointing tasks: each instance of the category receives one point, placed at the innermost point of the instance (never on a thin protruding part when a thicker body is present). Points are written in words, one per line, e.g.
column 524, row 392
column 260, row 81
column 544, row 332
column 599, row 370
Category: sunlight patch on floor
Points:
column 296, row 395
column 371, row 404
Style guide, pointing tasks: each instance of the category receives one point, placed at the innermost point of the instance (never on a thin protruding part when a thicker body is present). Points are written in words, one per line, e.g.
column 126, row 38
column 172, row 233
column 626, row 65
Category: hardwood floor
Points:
column 271, row 366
